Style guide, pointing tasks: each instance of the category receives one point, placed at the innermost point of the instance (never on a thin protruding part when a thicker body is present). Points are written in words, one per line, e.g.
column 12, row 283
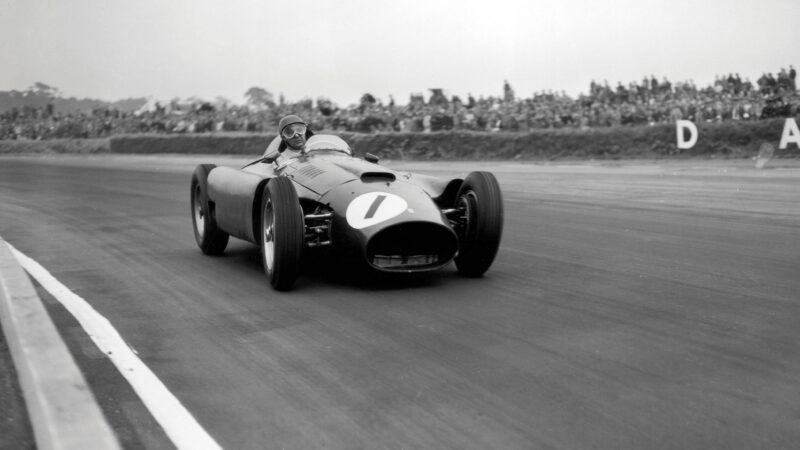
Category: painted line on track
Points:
column 177, row 422
column 63, row 412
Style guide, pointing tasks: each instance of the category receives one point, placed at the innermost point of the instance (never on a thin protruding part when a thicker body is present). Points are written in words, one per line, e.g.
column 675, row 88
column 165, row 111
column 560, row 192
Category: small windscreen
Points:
column 320, row 142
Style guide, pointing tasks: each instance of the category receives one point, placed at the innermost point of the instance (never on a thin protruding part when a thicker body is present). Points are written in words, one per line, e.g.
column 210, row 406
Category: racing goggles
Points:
column 289, row 131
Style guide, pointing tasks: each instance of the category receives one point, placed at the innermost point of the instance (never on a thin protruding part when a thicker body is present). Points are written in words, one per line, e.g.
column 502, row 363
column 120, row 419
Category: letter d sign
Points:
column 681, row 125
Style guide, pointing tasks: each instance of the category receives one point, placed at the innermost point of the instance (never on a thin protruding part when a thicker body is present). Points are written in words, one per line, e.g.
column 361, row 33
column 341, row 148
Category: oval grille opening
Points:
column 412, row 246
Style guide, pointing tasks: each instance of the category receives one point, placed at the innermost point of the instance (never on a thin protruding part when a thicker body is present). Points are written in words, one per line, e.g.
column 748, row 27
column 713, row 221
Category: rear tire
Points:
column 282, row 233
column 209, row 237
column 481, row 227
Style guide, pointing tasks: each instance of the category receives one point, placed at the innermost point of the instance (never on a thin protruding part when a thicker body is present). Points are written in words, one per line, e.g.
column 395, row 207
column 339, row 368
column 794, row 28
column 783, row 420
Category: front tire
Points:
column 209, row 237
column 282, row 233
column 481, row 204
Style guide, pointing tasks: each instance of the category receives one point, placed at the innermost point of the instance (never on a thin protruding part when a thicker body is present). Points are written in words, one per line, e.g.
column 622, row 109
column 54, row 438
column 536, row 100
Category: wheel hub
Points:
column 199, row 214
column 269, row 237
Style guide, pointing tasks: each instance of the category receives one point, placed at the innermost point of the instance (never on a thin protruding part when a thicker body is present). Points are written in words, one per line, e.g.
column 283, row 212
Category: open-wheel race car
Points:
column 390, row 221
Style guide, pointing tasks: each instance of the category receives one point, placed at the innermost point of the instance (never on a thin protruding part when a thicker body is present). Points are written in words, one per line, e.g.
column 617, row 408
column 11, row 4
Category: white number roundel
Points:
column 373, row 208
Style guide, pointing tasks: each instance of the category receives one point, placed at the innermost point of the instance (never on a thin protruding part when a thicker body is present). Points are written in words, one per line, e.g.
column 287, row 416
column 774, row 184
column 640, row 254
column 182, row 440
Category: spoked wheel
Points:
column 210, row 239
column 282, row 233
column 480, row 224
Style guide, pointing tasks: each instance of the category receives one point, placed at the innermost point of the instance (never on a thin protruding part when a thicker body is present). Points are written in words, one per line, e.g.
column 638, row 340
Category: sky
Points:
column 110, row 49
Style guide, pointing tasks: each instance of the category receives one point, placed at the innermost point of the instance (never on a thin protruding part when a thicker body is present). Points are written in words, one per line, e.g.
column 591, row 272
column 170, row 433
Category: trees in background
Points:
column 259, row 98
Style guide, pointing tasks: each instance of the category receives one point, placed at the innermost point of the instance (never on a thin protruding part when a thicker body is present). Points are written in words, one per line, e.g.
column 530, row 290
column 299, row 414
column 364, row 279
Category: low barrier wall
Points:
column 732, row 139
column 55, row 146
column 727, row 139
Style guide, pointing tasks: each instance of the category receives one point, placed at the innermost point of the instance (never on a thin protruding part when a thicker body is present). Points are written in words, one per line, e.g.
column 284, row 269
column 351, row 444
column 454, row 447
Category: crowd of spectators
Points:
column 648, row 101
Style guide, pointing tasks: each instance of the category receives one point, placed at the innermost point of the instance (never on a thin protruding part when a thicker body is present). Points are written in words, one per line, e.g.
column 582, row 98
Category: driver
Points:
column 294, row 133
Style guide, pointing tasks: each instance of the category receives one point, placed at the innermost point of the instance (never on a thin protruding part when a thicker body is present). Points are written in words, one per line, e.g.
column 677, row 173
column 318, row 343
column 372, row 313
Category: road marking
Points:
column 178, row 423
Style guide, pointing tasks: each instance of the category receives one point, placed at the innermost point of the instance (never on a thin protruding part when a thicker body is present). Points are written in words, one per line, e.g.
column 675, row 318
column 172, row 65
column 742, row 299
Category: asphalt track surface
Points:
column 632, row 305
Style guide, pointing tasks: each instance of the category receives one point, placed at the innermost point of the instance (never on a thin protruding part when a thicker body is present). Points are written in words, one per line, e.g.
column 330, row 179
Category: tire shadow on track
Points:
column 322, row 269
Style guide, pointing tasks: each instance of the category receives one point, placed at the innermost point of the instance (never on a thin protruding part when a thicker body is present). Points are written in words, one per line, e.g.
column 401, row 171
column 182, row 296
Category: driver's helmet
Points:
column 291, row 123
column 321, row 142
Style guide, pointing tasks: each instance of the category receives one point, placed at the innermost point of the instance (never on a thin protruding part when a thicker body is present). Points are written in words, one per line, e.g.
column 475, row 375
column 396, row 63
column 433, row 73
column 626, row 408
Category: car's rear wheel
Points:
column 210, row 239
column 282, row 233
column 480, row 206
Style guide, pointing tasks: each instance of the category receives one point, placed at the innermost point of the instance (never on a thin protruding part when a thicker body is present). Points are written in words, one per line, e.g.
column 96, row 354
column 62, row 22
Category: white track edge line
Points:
column 177, row 422
column 64, row 413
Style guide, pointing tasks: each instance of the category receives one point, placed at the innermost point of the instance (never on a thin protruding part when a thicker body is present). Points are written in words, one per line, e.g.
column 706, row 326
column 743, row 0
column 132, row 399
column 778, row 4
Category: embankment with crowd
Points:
column 734, row 118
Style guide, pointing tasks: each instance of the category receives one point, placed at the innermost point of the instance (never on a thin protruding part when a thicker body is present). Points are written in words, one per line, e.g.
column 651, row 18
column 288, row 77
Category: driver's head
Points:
column 292, row 130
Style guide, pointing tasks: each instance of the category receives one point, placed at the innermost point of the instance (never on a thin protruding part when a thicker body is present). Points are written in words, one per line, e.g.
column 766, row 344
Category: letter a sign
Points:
column 790, row 134
column 681, row 125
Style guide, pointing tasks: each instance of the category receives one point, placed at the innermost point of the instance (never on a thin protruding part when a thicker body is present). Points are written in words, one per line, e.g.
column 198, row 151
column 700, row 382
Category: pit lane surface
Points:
column 630, row 306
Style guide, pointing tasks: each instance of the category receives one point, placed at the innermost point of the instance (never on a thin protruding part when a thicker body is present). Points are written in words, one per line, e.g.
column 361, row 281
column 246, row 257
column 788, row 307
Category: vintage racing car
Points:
column 393, row 221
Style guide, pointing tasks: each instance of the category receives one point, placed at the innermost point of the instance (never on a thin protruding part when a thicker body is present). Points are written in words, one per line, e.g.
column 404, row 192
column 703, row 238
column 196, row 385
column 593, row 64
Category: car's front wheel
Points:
column 480, row 206
column 282, row 233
